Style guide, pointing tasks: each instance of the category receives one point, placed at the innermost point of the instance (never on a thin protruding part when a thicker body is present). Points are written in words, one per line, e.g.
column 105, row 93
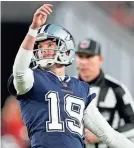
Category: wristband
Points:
column 33, row 32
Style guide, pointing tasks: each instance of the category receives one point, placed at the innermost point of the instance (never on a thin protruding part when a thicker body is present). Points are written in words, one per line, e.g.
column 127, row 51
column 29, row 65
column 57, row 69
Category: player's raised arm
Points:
column 23, row 76
column 96, row 123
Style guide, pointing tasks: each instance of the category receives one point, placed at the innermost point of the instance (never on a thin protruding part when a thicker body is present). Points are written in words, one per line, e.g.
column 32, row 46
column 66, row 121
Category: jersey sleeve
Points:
column 23, row 75
column 95, row 122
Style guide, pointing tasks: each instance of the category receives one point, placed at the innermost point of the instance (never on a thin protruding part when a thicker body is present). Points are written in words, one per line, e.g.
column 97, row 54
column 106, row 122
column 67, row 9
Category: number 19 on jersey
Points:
column 73, row 106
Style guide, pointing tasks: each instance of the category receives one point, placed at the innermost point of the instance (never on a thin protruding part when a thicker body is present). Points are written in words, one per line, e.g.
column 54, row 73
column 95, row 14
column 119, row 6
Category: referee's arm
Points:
column 125, row 107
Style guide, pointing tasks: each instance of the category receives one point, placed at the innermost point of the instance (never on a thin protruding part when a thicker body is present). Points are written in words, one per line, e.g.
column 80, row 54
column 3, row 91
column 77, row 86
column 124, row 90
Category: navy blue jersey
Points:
column 53, row 111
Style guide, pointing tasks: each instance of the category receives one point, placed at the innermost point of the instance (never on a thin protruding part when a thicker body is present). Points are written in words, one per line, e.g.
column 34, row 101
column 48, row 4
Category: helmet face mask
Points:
column 63, row 51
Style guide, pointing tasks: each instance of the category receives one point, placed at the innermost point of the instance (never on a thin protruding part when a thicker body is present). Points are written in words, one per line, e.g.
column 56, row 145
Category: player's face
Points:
column 88, row 65
column 48, row 51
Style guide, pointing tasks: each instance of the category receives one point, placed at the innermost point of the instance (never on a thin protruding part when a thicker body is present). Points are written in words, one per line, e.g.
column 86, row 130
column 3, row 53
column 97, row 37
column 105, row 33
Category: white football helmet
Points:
column 65, row 46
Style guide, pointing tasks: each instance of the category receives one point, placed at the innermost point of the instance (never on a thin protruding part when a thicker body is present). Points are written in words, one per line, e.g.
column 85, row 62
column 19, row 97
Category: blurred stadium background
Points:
column 110, row 23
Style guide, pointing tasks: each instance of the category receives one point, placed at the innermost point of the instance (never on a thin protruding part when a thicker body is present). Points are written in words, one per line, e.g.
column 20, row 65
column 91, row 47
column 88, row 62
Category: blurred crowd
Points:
column 121, row 12
column 14, row 133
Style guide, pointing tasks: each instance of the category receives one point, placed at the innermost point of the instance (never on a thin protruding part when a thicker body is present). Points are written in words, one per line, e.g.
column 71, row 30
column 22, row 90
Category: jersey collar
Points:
column 66, row 79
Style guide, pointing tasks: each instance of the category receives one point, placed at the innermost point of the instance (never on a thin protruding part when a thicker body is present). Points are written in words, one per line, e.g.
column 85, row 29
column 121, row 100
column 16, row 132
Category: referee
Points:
column 113, row 99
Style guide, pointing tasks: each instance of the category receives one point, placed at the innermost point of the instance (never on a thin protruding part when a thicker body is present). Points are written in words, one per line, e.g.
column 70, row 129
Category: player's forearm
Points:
column 25, row 53
column 23, row 76
column 96, row 123
column 120, row 141
column 22, row 61
column 29, row 41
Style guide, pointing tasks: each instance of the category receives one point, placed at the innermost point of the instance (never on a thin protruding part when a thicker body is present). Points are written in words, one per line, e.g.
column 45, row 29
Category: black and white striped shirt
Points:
column 115, row 103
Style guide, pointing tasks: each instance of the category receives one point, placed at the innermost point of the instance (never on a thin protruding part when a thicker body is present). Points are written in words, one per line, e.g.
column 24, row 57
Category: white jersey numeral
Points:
column 54, row 123
column 74, row 108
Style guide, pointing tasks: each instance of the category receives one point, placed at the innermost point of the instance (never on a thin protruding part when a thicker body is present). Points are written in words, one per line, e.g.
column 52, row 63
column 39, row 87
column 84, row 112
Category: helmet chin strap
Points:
column 46, row 63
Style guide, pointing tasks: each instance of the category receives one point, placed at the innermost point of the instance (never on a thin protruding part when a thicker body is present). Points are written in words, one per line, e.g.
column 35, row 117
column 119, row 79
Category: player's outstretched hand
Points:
column 40, row 16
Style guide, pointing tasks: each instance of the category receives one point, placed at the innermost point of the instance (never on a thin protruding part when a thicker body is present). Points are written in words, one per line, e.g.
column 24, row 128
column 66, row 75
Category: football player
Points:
column 55, row 107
